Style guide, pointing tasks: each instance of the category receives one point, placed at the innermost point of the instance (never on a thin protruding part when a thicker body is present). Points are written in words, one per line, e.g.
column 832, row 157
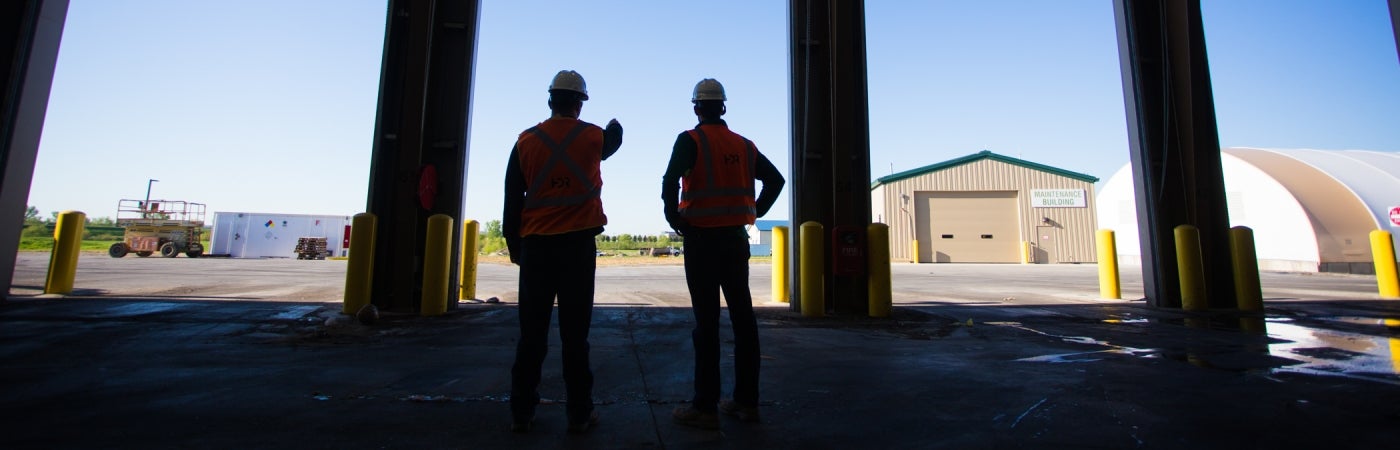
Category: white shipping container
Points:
column 271, row 235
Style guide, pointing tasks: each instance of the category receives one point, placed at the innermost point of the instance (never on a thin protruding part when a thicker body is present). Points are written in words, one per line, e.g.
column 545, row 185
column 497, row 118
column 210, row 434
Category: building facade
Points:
column 987, row 208
column 761, row 236
column 1309, row 210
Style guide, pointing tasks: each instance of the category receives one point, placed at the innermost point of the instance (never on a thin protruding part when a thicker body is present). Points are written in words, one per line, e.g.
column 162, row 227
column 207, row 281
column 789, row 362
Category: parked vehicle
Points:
column 661, row 251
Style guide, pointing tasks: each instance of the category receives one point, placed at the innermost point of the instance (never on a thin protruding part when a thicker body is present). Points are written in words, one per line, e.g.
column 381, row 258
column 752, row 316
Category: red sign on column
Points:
column 1395, row 216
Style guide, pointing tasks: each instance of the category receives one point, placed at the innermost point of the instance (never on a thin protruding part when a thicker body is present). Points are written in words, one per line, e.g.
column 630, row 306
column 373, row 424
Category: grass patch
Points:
column 45, row 244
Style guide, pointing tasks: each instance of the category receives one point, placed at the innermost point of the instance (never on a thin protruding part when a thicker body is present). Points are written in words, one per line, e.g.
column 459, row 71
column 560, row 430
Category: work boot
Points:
column 584, row 425
column 742, row 412
column 691, row 417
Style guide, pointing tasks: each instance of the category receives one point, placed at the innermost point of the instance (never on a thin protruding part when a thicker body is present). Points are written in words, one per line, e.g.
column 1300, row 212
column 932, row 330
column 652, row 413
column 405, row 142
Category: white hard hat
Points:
column 568, row 80
column 708, row 89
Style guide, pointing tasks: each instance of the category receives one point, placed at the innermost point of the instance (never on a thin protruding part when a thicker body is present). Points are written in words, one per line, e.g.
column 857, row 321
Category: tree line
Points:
column 94, row 228
column 492, row 240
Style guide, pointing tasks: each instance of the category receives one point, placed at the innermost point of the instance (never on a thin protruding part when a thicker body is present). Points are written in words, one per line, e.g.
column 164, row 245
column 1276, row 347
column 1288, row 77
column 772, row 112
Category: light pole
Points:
column 146, row 206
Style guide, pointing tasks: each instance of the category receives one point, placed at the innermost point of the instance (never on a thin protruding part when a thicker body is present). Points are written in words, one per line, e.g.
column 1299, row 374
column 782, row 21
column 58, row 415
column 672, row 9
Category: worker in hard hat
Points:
column 553, row 211
column 717, row 168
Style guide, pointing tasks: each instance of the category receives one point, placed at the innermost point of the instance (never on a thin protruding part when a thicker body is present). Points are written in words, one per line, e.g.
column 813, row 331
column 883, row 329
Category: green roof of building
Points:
column 984, row 154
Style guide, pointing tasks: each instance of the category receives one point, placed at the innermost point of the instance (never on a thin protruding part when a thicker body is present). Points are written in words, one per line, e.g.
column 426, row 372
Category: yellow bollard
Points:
column 1190, row 269
column 1248, row 294
column 1109, row 286
column 63, row 261
column 877, row 238
column 914, row 252
column 437, row 264
column 780, row 265
column 812, row 270
column 470, row 232
column 1025, row 252
column 1383, row 254
column 359, row 270
column 1394, row 354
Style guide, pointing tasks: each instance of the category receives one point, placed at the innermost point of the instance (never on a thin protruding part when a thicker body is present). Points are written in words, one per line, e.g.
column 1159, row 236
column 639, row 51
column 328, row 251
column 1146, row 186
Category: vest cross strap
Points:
column 559, row 155
column 565, row 184
column 719, row 190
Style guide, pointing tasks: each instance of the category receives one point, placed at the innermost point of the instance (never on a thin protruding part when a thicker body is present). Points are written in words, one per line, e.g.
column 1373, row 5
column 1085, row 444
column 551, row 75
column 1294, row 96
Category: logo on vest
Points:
column 731, row 159
column 559, row 182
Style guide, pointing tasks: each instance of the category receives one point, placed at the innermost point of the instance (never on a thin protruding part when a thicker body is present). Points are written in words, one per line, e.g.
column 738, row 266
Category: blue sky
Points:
column 268, row 106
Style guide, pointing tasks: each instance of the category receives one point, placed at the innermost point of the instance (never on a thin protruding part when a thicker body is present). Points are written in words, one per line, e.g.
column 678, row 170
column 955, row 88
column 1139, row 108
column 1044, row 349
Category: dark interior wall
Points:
column 30, row 33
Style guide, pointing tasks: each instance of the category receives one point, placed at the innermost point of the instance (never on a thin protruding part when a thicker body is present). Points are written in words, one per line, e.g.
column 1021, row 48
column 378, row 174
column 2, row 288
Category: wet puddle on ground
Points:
column 295, row 312
column 140, row 309
column 1372, row 355
column 1078, row 356
column 1323, row 351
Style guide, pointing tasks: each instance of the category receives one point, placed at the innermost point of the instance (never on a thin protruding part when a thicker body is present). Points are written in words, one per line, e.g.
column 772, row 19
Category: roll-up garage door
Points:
column 969, row 226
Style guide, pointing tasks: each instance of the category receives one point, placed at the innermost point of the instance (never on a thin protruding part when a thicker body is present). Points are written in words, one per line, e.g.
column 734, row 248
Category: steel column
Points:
column 830, row 132
column 30, row 32
column 810, row 117
column 1395, row 24
column 422, row 122
column 850, row 147
column 1175, row 148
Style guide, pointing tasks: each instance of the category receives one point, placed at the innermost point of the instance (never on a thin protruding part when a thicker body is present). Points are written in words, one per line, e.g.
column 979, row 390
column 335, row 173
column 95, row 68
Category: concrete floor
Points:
column 976, row 356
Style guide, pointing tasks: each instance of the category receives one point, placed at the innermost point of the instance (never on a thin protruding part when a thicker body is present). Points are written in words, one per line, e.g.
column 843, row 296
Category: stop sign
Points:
column 1395, row 216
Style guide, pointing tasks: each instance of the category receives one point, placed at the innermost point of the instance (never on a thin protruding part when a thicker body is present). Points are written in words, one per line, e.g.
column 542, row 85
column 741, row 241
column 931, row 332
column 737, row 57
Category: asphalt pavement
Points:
column 216, row 353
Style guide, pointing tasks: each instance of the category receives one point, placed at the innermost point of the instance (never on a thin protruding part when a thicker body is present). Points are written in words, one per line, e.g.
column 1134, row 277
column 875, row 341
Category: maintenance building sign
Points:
column 1058, row 198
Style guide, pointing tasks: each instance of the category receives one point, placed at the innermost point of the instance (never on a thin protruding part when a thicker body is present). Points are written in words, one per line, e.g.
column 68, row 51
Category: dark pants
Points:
column 717, row 262
column 554, row 266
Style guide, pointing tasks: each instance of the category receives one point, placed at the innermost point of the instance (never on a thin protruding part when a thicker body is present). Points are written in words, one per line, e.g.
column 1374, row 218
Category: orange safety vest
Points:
column 718, row 190
column 560, row 159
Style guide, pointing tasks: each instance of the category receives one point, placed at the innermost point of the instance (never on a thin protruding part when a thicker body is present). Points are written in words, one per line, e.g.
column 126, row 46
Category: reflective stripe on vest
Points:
column 704, row 201
column 560, row 161
column 559, row 155
column 710, row 190
column 721, row 211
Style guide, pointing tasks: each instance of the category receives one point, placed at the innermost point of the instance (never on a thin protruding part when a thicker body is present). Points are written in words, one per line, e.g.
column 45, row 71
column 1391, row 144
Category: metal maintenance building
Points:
column 987, row 208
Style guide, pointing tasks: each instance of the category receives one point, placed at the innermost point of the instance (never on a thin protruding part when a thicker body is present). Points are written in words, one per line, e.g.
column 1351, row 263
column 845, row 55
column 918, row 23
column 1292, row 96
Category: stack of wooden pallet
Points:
column 311, row 248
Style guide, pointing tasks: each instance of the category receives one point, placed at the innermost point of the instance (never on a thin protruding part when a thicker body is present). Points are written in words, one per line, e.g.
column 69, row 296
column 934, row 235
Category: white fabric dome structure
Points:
column 1310, row 210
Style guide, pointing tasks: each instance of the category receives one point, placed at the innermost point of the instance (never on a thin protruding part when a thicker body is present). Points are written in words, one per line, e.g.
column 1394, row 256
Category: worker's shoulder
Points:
column 561, row 125
column 725, row 129
column 590, row 126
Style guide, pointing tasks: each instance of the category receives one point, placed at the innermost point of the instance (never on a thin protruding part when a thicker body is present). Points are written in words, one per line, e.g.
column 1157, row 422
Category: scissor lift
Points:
column 168, row 227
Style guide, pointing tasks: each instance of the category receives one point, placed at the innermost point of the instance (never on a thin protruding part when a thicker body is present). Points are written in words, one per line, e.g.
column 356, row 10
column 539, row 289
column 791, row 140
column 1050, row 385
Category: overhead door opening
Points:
column 968, row 226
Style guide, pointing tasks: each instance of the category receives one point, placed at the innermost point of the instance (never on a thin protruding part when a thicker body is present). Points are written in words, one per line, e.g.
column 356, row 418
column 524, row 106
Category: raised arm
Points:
column 612, row 138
